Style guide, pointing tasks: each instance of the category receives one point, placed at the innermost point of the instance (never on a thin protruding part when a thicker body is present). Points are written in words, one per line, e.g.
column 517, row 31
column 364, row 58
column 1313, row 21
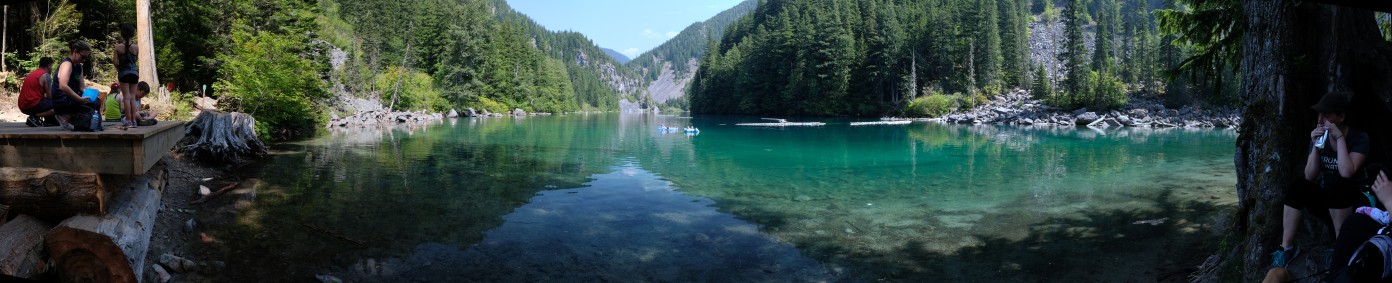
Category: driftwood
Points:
column 49, row 194
column 218, row 137
column 21, row 247
column 108, row 248
column 214, row 194
column 332, row 234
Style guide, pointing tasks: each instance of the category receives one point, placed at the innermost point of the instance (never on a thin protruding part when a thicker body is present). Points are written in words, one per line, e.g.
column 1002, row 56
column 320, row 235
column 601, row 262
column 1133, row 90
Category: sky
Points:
column 630, row 27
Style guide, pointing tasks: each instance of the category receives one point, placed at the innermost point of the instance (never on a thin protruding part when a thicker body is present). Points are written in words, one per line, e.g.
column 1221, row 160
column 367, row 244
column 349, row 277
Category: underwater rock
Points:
column 802, row 198
column 190, row 225
column 177, row 264
column 161, row 276
column 325, row 278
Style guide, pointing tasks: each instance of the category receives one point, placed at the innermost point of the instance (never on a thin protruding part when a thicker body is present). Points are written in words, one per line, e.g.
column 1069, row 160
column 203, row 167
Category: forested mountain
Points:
column 872, row 57
column 617, row 56
column 599, row 80
column 672, row 57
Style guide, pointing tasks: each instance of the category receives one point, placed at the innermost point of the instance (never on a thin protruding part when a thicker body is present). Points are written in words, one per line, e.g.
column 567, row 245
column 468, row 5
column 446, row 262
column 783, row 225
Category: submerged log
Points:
column 218, row 137
column 49, row 194
column 21, row 247
column 108, row 248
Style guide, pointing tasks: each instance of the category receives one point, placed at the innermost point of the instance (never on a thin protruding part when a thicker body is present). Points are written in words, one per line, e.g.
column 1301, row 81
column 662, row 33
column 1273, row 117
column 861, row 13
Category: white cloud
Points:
column 631, row 52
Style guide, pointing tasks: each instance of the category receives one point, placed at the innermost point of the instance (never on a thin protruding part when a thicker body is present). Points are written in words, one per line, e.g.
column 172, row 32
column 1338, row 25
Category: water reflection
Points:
column 625, row 226
column 578, row 198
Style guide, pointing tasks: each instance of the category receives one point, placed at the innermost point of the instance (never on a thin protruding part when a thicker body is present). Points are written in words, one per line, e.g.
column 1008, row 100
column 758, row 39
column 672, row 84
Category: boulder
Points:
column 1086, row 118
column 518, row 112
column 452, row 114
column 471, row 113
column 1081, row 111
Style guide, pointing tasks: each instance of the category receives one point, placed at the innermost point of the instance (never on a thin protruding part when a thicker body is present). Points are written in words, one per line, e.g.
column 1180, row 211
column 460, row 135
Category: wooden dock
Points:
column 114, row 151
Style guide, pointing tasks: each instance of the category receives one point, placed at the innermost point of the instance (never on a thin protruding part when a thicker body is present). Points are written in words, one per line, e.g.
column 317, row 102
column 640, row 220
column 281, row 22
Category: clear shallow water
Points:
column 608, row 198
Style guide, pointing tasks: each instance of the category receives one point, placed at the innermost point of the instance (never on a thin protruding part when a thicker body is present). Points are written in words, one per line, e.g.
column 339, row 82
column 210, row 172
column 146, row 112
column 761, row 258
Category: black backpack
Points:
column 82, row 120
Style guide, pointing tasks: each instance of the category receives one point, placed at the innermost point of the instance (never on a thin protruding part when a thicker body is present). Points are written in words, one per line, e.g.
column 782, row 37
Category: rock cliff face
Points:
column 623, row 84
column 670, row 84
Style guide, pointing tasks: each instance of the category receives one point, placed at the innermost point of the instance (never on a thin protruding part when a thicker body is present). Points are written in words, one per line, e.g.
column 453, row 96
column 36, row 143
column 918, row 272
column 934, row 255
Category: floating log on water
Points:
column 218, row 137
column 49, row 194
column 895, row 122
column 782, row 123
column 108, row 248
column 21, row 247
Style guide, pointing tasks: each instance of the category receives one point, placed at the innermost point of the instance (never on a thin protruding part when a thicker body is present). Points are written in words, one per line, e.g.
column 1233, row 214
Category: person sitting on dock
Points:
column 34, row 97
column 68, row 103
column 113, row 112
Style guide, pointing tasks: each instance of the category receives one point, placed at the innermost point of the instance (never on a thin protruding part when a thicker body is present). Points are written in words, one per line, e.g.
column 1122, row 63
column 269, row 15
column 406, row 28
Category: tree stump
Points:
column 218, row 137
column 108, row 248
column 51, row 195
column 21, row 247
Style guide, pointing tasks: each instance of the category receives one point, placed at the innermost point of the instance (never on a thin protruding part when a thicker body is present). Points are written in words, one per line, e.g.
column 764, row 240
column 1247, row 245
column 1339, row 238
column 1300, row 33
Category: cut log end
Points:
column 86, row 256
column 21, row 247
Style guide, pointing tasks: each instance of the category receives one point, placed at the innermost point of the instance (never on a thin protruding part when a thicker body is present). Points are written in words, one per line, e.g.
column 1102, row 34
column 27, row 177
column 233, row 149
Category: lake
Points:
column 607, row 197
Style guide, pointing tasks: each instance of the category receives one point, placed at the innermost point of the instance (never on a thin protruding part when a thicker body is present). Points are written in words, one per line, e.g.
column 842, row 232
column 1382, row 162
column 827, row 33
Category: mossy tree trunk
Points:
column 1294, row 55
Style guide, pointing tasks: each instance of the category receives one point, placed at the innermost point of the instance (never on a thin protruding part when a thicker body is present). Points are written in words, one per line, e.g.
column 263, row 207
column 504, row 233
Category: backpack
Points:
column 86, row 120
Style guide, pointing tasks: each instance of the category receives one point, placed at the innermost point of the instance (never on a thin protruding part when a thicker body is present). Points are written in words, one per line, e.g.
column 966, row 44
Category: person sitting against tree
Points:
column 1336, row 153
column 34, row 97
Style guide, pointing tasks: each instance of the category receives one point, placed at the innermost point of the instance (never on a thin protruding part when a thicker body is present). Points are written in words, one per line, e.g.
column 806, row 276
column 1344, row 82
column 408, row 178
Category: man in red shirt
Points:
column 33, row 95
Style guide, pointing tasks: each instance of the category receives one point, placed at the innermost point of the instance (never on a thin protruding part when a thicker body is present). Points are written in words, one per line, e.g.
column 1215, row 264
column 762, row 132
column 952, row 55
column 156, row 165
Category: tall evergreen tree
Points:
column 1074, row 51
column 987, row 44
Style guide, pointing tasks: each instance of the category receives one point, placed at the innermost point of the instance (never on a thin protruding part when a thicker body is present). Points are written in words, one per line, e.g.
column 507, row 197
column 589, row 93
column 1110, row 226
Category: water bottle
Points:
column 96, row 121
column 1319, row 143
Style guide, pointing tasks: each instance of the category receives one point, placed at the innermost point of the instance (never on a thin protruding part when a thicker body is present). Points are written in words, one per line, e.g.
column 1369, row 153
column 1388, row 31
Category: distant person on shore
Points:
column 67, row 100
column 127, row 72
column 34, row 97
column 1335, row 155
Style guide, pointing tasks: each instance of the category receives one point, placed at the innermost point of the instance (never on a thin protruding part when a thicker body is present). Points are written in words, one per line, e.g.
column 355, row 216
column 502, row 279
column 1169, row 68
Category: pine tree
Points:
column 1074, row 53
column 988, row 44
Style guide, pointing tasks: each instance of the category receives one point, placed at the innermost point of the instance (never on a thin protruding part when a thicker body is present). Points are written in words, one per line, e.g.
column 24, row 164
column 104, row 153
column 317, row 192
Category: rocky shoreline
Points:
column 1019, row 108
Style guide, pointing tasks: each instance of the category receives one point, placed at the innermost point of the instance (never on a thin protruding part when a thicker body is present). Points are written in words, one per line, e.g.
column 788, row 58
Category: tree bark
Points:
column 1294, row 54
column 145, row 59
column 108, row 248
column 21, row 247
column 49, row 194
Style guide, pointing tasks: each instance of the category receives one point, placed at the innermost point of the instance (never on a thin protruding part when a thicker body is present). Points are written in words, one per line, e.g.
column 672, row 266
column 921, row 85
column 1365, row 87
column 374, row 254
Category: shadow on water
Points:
column 1094, row 245
column 389, row 193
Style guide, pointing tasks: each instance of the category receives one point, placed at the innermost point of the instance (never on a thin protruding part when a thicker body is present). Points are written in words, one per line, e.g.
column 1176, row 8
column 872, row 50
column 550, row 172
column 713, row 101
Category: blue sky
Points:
column 628, row 26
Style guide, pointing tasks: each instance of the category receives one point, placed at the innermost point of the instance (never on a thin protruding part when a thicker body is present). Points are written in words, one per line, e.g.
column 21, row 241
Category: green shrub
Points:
column 931, row 106
column 485, row 104
column 265, row 76
column 414, row 91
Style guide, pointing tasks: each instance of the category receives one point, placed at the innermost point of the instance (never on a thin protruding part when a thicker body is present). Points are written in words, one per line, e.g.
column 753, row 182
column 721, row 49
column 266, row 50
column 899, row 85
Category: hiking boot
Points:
column 1282, row 257
column 32, row 121
column 49, row 121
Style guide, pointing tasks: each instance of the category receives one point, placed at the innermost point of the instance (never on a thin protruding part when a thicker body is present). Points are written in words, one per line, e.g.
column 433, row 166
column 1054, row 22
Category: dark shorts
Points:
column 129, row 79
column 44, row 105
column 1305, row 194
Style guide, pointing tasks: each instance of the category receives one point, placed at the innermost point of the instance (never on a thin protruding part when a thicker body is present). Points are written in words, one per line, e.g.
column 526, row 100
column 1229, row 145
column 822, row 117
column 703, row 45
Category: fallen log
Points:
column 109, row 248
column 217, row 137
column 51, row 195
column 21, row 247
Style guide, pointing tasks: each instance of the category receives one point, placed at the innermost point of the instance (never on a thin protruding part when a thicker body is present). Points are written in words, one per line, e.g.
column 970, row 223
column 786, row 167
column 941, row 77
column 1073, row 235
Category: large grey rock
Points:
column 472, row 113
column 452, row 114
column 1085, row 118
column 518, row 112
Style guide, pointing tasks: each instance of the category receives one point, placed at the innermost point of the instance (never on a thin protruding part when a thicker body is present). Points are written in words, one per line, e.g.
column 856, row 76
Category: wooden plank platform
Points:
column 114, row 151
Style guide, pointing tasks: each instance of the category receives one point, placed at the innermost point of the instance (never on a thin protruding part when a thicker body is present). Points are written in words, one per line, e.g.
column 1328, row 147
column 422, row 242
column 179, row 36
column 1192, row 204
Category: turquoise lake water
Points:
column 606, row 197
